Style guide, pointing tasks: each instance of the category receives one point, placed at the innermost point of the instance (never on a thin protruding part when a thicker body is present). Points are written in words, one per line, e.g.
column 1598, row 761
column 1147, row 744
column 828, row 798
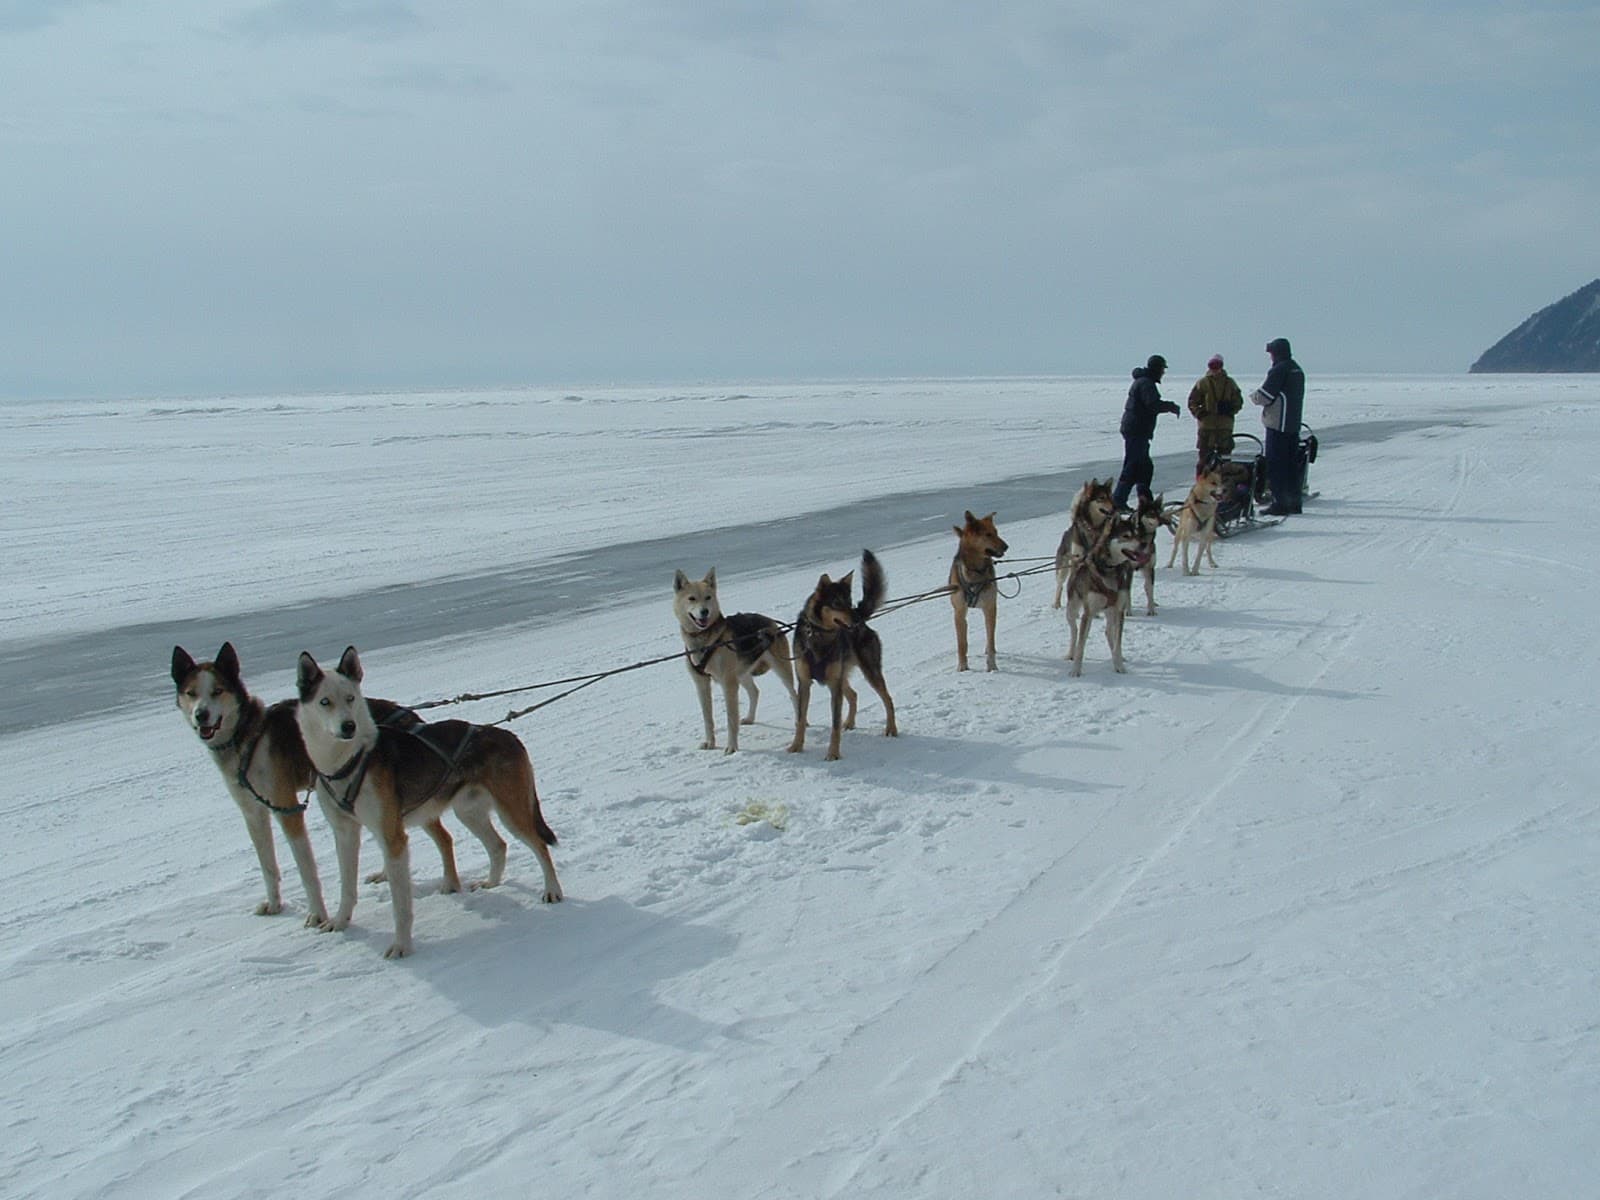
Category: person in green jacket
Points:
column 1214, row 400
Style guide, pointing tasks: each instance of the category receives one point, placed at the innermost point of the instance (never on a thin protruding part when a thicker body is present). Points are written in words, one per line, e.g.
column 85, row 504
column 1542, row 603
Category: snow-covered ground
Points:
column 1304, row 905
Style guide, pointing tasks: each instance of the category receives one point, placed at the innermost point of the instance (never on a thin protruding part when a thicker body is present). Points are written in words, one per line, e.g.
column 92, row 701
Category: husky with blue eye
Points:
column 386, row 778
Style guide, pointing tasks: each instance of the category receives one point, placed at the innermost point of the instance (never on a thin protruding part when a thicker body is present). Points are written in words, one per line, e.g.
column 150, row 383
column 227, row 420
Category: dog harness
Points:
column 972, row 589
column 355, row 771
column 247, row 754
column 750, row 635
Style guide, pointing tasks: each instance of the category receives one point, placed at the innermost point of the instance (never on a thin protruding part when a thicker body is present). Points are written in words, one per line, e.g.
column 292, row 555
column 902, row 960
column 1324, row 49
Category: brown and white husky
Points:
column 386, row 778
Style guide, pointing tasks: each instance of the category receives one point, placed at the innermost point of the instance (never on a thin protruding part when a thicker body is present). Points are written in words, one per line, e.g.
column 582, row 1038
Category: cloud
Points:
column 369, row 19
column 28, row 16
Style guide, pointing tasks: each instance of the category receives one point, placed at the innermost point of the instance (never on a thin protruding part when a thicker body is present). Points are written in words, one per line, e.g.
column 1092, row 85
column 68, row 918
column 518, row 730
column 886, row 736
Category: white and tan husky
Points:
column 386, row 778
column 1197, row 521
column 730, row 649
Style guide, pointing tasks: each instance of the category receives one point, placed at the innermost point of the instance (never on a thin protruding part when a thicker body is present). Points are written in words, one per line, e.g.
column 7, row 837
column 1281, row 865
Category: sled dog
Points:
column 1148, row 518
column 262, row 759
column 263, row 763
column 972, row 582
column 1091, row 509
column 386, row 778
column 1197, row 520
column 830, row 638
column 728, row 649
column 1101, row 582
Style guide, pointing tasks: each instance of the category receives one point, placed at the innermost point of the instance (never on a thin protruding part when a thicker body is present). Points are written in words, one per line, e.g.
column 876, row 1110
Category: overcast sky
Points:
column 203, row 197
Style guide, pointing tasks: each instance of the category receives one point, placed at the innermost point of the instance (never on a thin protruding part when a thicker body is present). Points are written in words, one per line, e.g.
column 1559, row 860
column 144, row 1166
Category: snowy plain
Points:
column 1303, row 905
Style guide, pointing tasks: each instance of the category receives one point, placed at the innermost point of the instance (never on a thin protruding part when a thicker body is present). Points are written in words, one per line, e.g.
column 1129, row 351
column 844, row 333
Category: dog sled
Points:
column 1245, row 486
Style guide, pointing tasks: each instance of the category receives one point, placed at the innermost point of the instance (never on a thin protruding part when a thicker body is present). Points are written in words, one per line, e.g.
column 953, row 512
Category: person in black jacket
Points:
column 1282, row 397
column 1138, row 427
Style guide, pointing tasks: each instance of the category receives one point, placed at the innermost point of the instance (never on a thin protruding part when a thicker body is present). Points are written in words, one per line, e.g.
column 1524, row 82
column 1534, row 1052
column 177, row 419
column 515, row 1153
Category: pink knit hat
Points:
column 1214, row 361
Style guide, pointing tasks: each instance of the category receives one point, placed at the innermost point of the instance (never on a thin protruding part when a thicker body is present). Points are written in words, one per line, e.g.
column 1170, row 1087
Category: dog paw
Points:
column 398, row 950
column 317, row 921
column 750, row 720
column 269, row 908
column 376, row 877
column 796, row 747
column 709, row 744
column 731, row 750
column 334, row 925
column 448, row 888
column 553, row 896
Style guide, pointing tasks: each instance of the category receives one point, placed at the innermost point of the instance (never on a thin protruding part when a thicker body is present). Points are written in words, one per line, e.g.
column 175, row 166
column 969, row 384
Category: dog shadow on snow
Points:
column 593, row 963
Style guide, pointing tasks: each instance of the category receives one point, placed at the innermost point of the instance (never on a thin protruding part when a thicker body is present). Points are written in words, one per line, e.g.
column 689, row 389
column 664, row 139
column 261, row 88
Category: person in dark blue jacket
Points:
column 1138, row 427
column 1282, row 398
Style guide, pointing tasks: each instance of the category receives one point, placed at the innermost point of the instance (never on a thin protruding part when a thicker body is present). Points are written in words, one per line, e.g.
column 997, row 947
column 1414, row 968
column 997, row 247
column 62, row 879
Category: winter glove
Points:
column 1169, row 406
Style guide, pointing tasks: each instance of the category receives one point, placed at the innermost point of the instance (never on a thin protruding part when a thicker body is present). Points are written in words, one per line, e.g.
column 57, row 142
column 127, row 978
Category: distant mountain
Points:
column 1563, row 337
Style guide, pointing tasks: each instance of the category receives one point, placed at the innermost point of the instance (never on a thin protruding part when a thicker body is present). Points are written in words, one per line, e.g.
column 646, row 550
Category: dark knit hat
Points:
column 1155, row 363
column 1278, row 348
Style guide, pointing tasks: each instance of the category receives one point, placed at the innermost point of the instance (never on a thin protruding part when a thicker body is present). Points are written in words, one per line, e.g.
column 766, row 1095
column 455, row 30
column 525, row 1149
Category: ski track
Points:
column 847, row 1094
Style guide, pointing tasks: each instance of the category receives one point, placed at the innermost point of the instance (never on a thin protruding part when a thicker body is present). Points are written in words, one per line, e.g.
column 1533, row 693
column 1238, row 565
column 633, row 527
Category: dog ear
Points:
column 971, row 520
column 307, row 675
column 182, row 664
column 228, row 665
column 990, row 517
column 824, row 581
column 350, row 664
column 959, row 530
column 711, row 577
column 680, row 581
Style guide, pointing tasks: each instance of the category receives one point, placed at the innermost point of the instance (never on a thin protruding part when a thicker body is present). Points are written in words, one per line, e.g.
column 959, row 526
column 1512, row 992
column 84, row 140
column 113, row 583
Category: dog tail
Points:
column 546, row 834
column 874, row 583
column 540, row 825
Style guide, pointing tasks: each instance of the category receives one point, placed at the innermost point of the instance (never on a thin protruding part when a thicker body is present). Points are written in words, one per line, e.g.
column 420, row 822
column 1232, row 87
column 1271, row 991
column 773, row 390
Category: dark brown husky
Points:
column 1091, row 509
column 830, row 638
column 972, row 582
